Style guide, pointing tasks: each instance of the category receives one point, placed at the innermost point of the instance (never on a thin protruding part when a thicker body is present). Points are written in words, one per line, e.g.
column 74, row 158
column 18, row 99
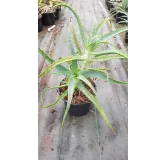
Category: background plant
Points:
column 121, row 7
column 40, row 6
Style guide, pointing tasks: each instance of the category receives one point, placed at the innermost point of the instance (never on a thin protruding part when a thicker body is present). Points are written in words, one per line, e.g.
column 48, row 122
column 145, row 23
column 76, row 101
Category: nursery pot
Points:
column 79, row 110
column 48, row 19
column 40, row 24
column 120, row 17
column 57, row 13
column 109, row 4
column 59, row 8
column 126, row 37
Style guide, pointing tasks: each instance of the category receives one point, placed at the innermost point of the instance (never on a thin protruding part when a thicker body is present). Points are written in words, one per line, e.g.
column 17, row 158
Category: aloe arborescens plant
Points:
column 78, row 74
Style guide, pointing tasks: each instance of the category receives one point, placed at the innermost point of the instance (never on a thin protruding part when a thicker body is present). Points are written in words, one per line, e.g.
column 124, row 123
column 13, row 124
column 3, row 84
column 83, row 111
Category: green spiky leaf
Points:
column 101, row 75
column 101, row 25
column 81, row 77
column 67, row 73
column 107, row 57
column 71, row 86
column 57, row 101
column 96, row 104
column 74, row 65
column 62, row 60
column 112, row 34
column 110, row 52
column 76, row 41
column 80, row 26
column 50, row 60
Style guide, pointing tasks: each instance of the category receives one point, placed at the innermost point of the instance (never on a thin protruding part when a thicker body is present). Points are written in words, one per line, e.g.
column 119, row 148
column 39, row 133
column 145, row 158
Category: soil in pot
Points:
column 40, row 28
column 120, row 17
column 80, row 103
column 48, row 19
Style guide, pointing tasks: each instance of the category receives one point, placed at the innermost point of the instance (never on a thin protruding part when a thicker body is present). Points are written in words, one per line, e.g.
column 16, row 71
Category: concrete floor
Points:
column 79, row 137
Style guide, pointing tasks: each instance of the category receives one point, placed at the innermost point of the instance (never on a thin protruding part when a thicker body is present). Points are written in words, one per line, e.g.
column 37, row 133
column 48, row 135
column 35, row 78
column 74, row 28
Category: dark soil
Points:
column 78, row 96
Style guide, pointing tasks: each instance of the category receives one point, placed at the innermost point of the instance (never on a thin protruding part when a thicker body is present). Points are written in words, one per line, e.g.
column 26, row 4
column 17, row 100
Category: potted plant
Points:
column 58, row 9
column 78, row 90
column 50, row 14
column 40, row 9
column 122, row 16
column 109, row 4
column 122, row 12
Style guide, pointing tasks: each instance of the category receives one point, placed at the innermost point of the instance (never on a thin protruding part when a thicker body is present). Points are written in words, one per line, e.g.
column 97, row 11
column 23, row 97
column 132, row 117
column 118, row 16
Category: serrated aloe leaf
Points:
column 62, row 60
column 74, row 65
column 50, row 60
column 101, row 24
column 81, row 77
column 57, row 101
column 96, row 104
column 94, row 30
column 107, row 57
column 101, row 69
column 100, row 75
column 72, row 52
column 93, row 40
column 112, row 34
column 76, row 41
column 107, row 52
column 106, row 42
column 80, row 26
column 71, row 88
column 61, row 73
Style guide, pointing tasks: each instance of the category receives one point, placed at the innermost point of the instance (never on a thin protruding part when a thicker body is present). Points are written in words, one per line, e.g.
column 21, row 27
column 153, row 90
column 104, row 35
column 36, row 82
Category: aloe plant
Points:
column 121, row 7
column 78, row 74
column 40, row 3
column 40, row 6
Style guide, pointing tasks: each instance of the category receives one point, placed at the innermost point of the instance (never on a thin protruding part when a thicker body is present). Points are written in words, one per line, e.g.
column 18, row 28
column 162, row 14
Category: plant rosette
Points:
column 76, row 67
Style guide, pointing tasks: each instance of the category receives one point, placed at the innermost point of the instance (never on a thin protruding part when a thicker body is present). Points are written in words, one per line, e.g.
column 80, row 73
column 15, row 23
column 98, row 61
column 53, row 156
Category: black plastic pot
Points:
column 126, row 37
column 59, row 8
column 79, row 110
column 57, row 14
column 48, row 19
column 40, row 28
column 109, row 4
column 120, row 17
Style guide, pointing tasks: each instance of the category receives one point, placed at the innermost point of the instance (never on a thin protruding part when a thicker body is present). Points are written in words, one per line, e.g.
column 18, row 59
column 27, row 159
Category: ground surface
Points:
column 79, row 138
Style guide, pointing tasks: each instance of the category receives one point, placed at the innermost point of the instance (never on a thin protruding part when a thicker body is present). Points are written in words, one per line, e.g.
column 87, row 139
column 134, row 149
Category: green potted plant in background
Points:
column 122, row 12
column 50, row 14
column 109, row 4
column 78, row 89
column 122, row 16
column 40, row 10
column 58, row 9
